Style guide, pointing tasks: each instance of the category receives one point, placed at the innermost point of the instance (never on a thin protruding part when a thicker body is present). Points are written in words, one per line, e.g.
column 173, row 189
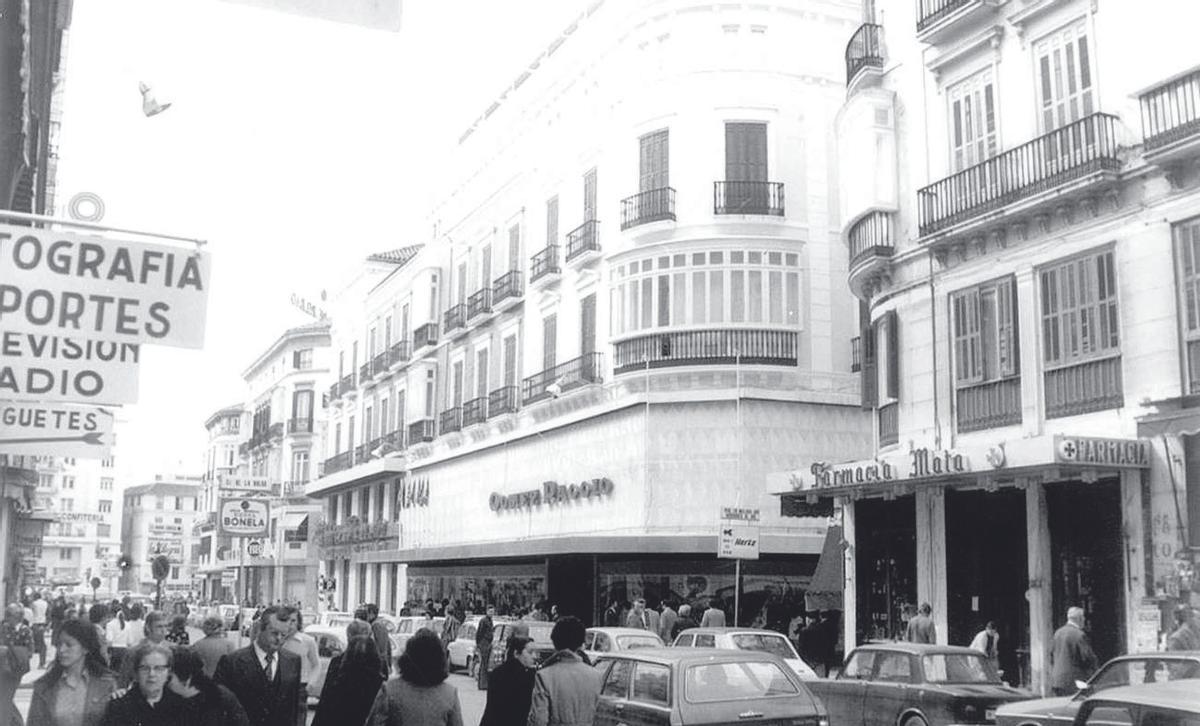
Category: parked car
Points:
column 684, row 686
column 228, row 613
column 767, row 641
column 331, row 641
column 408, row 624
column 1154, row 704
column 599, row 641
column 1125, row 670
column 462, row 650
column 537, row 629
column 912, row 684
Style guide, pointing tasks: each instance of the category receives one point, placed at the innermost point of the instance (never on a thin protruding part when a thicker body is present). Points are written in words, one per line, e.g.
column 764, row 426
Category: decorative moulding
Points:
column 987, row 38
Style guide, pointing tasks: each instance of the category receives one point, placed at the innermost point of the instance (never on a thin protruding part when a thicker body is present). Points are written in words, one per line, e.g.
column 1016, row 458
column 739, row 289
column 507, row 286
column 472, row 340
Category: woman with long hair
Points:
column 77, row 687
column 349, row 692
column 210, row 703
column 510, row 686
column 178, row 634
column 420, row 696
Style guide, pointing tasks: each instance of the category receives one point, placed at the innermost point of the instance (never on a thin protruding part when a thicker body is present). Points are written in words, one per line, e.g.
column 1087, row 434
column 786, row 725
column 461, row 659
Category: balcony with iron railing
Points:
column 450, row 420
column 364, row 372
column 507, row 290
column 1093, row 385
column 763, row 198
column 338, row 462
column 425, row 335
column 651, row 205
column 706, row 347
column 1068, row 164
column 300, row 426
column 583, row 242
column 872, row 242
column 864, row 52
column 479, row 303
column 937, row 20
column 856, row 354
column 502, row 400
column 455, row 318
column 553, row 382
column 379, row 364
column 988, row 405
column 399, row 353
column 334, row 393
column 474, row 411
column 421, row 431
column 346, row 385
column 889, row 424
column 1171, row 119
column 544, row 267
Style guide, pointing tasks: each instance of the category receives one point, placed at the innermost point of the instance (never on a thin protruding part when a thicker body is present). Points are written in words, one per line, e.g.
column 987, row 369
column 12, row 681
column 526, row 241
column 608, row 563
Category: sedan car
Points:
column 1154, row 704
column 462, row 651
column 538, row 630
column 702, row 686
column 912, row 684
column 766, row 641
column 599, row 641
column 331, row 641
column 1125, row 670
column 406, row 625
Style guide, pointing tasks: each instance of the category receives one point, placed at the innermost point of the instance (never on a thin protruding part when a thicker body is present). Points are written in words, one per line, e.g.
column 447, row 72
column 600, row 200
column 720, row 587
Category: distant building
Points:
column 159, row 519
column 21, row 526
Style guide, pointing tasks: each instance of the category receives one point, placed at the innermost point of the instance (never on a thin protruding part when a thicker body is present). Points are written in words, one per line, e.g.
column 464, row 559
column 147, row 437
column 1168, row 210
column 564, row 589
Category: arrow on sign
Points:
column 96, row 438
column 727, row 532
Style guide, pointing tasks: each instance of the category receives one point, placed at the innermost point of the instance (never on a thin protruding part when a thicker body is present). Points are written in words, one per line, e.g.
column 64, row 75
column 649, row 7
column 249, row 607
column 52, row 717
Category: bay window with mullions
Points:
column 1081, row 339
column 1187, row 271
column 986, row 355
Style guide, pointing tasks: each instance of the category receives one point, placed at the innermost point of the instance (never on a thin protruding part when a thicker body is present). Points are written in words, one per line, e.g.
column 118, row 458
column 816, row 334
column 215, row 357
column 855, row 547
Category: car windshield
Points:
column 775, row 644
column 957, row 668
column 1144, row 670
column 746, row 680
column 631, row 642
column 538, row 631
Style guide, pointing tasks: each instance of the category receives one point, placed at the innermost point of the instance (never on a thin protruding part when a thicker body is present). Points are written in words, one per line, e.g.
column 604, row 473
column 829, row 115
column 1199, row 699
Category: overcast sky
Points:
column 294, row 146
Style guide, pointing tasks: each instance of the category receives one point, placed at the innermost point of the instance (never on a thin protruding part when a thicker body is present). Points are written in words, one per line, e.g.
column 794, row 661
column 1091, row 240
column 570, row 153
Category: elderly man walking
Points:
column 1071, row 655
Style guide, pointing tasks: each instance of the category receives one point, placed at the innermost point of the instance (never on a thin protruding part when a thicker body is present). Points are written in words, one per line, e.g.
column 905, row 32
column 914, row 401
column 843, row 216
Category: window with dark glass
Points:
column 549, row 341
column 1187, row 265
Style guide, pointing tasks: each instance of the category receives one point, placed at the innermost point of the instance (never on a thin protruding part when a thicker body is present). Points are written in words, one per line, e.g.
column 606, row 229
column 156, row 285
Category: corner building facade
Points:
column 629, row 313
column 1020, row 209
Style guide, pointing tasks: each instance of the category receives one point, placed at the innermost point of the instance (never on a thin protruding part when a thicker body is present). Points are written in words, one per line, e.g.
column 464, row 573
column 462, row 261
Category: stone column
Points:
column 1041, row 619
column 1134, row 560
column 931, row 555
column 849, row 581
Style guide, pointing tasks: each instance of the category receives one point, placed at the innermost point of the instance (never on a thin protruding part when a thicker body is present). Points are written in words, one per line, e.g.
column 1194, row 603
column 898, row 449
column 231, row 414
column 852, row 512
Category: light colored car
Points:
column 462, row 650
column 599, row 641
column 1148, row 704
column 757, row 639
column 331, row 641
column 408, row 624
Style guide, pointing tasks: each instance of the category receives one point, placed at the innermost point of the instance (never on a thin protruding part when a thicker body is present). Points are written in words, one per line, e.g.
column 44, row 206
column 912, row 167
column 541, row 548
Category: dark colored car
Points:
column 1127, row 670
column 538, row 630
column 1153, row 704
column 684, row 686
column 910, row 684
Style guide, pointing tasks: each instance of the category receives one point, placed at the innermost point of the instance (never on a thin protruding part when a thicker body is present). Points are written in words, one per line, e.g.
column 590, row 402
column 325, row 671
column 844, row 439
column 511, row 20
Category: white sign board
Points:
column 49, row 429
column 244, row 483
column 58, row 283
column 63, row 368
column 229, row 577
column 244, row 517
column 738, row 533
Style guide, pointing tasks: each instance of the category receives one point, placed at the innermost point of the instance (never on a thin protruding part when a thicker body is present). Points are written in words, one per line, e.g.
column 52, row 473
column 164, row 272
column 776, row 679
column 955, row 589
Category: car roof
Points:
column 1159, row 655
column 730, row 630
column 621, row 631
column 918, row 648
column 667, row 655
column 1172, row 694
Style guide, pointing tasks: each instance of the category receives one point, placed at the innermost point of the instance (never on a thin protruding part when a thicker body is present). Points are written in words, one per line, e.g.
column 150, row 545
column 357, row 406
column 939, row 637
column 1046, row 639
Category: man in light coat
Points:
column 566, row 688
column 666, row 621
column 714, row 616
column 987, row 641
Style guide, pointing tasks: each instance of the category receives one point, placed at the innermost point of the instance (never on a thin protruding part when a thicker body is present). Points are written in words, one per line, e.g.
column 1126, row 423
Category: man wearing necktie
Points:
column 265, row 678
column 637, row 617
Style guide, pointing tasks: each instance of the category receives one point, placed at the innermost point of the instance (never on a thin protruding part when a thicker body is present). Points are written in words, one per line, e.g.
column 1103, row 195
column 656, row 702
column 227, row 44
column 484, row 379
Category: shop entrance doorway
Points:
column 571, row 585
column 1087, row 561
column 986, row 573
column 886, row 566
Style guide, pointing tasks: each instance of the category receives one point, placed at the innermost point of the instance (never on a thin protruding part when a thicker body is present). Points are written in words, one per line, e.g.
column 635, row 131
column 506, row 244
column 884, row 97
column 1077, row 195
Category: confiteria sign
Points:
column 552, row 493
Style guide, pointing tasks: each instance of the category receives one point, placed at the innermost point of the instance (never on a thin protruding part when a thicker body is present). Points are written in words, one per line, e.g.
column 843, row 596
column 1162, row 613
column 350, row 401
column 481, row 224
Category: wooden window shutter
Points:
column 893, row 361
column 870, row 396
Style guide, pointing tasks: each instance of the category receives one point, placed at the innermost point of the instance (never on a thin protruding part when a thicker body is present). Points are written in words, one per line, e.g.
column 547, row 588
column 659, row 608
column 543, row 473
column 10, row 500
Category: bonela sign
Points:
column 244, row 517
column 55, row 283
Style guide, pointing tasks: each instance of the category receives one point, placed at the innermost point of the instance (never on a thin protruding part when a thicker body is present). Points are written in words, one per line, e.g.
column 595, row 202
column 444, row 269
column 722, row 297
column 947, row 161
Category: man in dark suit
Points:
column 265, row 678
column 1071, row 656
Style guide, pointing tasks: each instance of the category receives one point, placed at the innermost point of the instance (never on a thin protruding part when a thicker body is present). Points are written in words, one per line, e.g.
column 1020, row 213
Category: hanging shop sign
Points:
column 229, row 578
column 341, row 540
column 244, row 517
column 55, row 429
column 57, row 283
column 80, row 517
column 1128, row 453
column 552, row 493
column 55, row 368
column 920, row 463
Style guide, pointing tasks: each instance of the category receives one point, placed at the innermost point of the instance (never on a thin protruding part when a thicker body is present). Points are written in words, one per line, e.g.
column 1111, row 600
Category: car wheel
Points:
column 914, row 720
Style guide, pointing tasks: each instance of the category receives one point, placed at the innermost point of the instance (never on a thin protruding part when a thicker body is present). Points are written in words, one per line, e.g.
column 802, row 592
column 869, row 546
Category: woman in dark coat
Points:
column 209, row 703
column 350, row 691
column 510, row 686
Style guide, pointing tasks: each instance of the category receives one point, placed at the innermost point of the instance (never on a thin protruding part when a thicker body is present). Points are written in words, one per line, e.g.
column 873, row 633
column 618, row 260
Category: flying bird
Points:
column 150, row 105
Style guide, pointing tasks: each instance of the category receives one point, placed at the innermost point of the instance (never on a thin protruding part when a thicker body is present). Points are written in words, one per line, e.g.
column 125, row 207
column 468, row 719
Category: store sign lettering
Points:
column 412, row 494
column 826, row 475
column 1103, row 452
column 935, row 463
column 922, row 464
column 552, row 493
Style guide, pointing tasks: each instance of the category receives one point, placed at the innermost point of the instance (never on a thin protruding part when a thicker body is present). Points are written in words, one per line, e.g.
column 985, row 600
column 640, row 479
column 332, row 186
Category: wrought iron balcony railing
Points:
column 474, row 411
column 479, row 303
column 450, row 420
column 502, row 400
column 334, row 392
column 300, row 426
column 507, row 286
column 652, row 205
column 584, row 238
column 864, row 50
column 364, row 372
column 1049, row 161
column 455, row 317
column 552, row 382
column 544, row 263
column 425, row 335
column 346, row 385
column 1171, row 112
column 338, row 462
column 871, row 236
column 706, row 347
column 930, row 12
column 399, row 353
column 379, row 364
column 421, row 431
column 748, row 197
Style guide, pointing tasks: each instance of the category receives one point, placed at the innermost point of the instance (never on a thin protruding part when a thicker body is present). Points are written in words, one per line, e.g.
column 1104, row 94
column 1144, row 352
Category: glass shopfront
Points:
column 511, row 587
